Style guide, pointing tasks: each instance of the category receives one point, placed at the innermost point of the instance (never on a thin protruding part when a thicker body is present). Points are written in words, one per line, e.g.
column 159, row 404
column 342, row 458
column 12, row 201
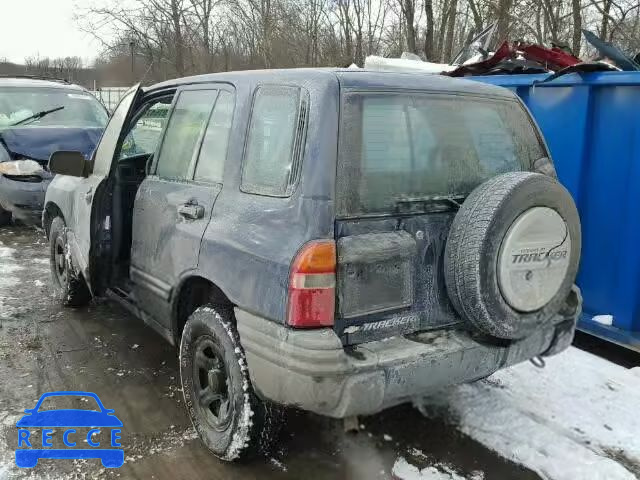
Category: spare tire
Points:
column 512, row 254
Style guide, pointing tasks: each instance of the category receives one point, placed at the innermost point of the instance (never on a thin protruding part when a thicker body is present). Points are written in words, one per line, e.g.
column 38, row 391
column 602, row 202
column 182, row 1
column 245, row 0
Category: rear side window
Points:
column 213, row 152
column 275, row 141
column 403, row 147
column 186, row 127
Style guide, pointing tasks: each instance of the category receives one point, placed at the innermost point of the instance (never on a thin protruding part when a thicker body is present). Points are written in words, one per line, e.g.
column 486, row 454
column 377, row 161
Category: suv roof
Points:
column 351, row 78
column 36, row 81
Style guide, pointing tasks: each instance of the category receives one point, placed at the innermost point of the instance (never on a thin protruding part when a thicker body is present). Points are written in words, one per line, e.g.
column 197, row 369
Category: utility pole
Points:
column 132, row 45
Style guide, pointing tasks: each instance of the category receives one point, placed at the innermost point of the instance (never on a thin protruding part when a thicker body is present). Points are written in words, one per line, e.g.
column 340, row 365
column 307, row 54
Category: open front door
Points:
column 87, row 225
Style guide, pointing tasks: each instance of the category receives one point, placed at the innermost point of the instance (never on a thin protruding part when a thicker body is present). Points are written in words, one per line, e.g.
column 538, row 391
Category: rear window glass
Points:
column 400, row 147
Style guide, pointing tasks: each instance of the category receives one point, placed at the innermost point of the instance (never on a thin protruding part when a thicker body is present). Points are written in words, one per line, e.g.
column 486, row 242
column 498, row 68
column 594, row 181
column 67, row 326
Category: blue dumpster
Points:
column 591, row 123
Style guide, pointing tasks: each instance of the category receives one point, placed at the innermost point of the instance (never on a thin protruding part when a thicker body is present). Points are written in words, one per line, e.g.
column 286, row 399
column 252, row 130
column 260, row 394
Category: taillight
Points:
column 312, row 286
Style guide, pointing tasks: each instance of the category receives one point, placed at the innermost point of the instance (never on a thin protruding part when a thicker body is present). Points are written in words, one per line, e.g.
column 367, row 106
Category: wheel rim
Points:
column 211, row 384
column 60, row 261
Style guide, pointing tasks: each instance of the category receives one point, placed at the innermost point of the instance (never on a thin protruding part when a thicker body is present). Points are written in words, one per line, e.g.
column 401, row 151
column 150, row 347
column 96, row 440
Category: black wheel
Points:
column 512, row 254
column 5, row 217
column 230, row 419
column 68, row 284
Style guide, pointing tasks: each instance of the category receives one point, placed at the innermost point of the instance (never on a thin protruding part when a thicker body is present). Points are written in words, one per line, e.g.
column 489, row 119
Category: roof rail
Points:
column 36, row 77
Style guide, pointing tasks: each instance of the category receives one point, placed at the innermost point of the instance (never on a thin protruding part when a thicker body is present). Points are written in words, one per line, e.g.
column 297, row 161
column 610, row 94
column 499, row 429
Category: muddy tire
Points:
column 5, row 217
column 68, row 284
column 232, row 422
column 512, row 254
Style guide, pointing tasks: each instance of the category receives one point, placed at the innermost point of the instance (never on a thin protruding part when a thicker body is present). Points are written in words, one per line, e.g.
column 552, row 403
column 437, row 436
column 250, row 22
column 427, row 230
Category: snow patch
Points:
column 577, row 418
column 603, row 319
column 10, row 268
column 403, row 470
column 8, row 419
column 6, row 252
column 240, row 438
column 8, row 278
column 278, row 464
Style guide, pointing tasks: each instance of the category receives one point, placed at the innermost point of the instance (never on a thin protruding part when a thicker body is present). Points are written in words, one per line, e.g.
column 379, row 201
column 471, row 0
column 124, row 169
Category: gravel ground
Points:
column 103, row 349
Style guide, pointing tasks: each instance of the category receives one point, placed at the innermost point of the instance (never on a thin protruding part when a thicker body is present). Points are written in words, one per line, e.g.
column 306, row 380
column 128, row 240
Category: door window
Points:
column 144, row 136
column 106, row 148
column 213, row 152
column 184, row 132
column 274, row 134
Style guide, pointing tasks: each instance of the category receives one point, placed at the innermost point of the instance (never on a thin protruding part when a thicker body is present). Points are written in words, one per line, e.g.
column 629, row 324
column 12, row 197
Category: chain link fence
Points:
column 110, row 96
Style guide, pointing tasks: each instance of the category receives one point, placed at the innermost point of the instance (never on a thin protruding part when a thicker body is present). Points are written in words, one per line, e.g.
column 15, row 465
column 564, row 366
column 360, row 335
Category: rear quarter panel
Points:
column 251, row 239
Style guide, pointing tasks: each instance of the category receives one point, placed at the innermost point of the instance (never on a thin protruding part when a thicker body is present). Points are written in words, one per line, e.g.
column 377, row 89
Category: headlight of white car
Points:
column 19, row 168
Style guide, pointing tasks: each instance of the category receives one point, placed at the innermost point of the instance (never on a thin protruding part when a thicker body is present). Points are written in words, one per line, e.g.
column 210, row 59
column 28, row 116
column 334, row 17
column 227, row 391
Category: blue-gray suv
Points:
column 339, row 241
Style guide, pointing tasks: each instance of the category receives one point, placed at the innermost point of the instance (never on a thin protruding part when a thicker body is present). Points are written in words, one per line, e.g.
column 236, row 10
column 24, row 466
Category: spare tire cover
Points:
column 512, row 254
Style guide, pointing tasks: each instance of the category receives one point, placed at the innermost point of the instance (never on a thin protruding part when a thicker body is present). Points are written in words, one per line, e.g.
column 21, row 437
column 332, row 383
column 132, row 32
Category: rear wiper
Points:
column 433, row 202
column 36, row 116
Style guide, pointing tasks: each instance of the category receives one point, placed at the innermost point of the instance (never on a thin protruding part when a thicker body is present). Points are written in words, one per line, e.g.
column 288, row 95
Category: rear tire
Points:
column 230, row 419
column 67, row 283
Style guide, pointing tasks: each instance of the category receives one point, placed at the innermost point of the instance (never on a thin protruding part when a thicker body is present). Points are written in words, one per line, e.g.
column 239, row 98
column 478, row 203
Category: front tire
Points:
column 67, row 283
column 230, row 419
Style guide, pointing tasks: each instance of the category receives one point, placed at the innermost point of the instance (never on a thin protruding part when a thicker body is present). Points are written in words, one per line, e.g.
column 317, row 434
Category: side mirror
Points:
column 69, row 163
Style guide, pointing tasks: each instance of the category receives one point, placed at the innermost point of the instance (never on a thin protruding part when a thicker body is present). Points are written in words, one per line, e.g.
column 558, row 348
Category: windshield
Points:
column 81, row 109
column 396, row 147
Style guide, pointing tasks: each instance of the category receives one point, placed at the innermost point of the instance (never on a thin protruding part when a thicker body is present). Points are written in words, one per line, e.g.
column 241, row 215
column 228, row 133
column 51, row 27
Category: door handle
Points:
column 88, row 196
column 191, row 211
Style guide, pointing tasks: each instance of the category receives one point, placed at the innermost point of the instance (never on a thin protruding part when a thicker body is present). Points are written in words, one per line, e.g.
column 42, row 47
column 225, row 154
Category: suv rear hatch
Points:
column 406, row 161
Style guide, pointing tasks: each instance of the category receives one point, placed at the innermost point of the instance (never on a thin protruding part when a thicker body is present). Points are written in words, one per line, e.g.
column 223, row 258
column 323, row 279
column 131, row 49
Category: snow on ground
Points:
column 8, row 268
column 6, row 251
column 403, row 470
column 579, row 418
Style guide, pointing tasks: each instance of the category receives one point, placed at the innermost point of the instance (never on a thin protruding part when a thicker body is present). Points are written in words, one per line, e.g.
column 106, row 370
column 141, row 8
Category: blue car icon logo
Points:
column 67, row 422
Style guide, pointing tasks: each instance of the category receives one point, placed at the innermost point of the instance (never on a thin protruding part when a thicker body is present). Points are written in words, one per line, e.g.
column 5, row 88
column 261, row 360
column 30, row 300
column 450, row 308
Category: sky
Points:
column 45, row 28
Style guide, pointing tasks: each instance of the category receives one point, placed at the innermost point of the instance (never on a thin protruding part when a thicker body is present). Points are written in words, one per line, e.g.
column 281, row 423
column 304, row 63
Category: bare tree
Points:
column 180, row 37
column 576, row 9
column 429, row 46
column 451, row 24
column 203, row 14
column 502, row 15
column 408, row 8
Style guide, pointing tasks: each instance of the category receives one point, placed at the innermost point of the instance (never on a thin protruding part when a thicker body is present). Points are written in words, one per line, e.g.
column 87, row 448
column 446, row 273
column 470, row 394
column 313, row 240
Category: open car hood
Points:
column 38, row 143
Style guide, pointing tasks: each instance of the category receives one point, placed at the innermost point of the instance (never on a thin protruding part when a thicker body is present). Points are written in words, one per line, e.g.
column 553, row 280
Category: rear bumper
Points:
column 25, row 200
column 312, row 371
